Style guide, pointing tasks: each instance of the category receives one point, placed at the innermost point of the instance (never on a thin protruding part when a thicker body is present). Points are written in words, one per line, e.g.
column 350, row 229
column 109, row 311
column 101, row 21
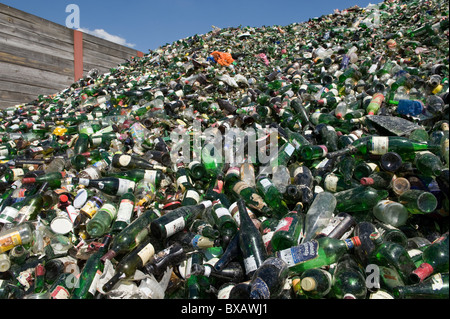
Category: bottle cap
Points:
column 356, row 241
column 63, row 198
column 366, row 181
column 422, row 272
column 28, row 180
column 308, row 284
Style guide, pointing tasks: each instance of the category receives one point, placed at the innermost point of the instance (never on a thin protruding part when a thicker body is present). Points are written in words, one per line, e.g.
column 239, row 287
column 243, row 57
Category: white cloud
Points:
column 109, row 37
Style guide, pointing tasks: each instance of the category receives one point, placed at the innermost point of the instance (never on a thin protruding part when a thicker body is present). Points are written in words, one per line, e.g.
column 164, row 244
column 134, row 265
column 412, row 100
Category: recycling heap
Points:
column 99, row 199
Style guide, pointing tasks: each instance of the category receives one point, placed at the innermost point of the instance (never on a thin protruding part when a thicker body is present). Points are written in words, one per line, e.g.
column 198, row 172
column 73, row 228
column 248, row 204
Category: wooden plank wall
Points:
column 37, row 56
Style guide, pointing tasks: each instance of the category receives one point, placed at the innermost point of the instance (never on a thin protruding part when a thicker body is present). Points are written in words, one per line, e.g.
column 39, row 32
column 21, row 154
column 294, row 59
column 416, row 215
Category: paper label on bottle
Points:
column 384, row 203
column 146, row 253
column 10, row 241
column 192, row 194
column 299, row 254
column 390, row 277
column 284, row 224
column 414, row 252
column 8, row 214
column 83, row 181
column 224, row 293
column 265, row 182
column 437, row 283
column 124, row 185
column 267, row 237
column 110, row 209
column 330, row 182
column 93, row 287
column 124, row 160
column 222, row 211
column 240, row 186
column 174, row 226
column 250, row 264
column 125, row 210
column 17, row 173
column 4, row 151
column 289, row 149
column 92, row 172
column 380, row 145
column 182, row 180
column 150, row 176
column 60, row 292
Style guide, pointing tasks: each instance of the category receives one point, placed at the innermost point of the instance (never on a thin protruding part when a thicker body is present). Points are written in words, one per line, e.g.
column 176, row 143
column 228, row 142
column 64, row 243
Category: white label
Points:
column 92, row 172
column 250, row 264
column 72, row 213
column 191, row 164
column 192, row 194
column 83, row 181
column 330, row 182
column 289, row 149
column 380, row 145
column 124, row 185
column 265, row 182
column 125, row 211
column 146, row 253
column 222, row 211
column 124, row 160
column 414, row 252
column 436, row 282
column 174, row 226
column 181, row 180
column 110, row 209
column 150, row 176
column 93, row 287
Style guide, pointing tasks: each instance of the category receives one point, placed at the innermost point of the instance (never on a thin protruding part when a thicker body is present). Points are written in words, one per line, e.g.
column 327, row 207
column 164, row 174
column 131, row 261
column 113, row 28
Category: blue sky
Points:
column 147, row 24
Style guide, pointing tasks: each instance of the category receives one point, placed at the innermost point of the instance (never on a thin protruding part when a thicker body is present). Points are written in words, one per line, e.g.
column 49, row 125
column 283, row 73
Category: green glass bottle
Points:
column 393, row 255
column 132, row 235
column 380, row 145
column 418, row 201
column 349, row 281
column 177, row 219
column 250, row 241
column 33, row 206
column 204, row 228
column 133, row 260
column 124, row 212
column 101, row 222
column 435, row 260
column 82, row 144
column 312, row 152
column 109, row 185
column 271, row 196
column 359, row 199
column 153, row 176
column 241, row 189
column 316, row 253
column 86, row 285
column 125, row 161
column 428, row 164
column 170, row 256
column 434, row 287
column 223, row 220
column 289, row 231
column 316, row 283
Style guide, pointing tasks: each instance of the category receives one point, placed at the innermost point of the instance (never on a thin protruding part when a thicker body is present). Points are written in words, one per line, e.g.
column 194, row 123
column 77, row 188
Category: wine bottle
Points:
column 435, row 260
column 86, row 285
column 434, row 287
column 124, row 212
column 177, row 219
column 101, row 222
column 109, row 185
column 316, row 283
column 391, row 212
column 133, row 260
column 271, row 196
column 153, row 176
column 250, row 242
column 319, row 214
column 359, row 199
column 418, row 201
column 223, row 220
column 131, row 236
column 390, row 254
column 233, row 272
column 289, row 231
column 129, row 162
column 316, row 253
column 32, row 205
column 349, row 281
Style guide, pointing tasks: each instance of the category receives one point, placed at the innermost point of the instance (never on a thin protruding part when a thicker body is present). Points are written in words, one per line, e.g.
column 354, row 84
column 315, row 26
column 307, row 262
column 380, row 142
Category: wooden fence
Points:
column 38, row 56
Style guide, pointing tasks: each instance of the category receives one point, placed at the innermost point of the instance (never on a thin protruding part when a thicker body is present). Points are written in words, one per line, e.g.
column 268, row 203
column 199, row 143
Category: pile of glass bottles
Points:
column 345, row 196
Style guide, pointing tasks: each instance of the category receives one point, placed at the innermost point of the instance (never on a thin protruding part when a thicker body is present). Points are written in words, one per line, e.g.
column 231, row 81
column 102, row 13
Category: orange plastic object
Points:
column 223, row 58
